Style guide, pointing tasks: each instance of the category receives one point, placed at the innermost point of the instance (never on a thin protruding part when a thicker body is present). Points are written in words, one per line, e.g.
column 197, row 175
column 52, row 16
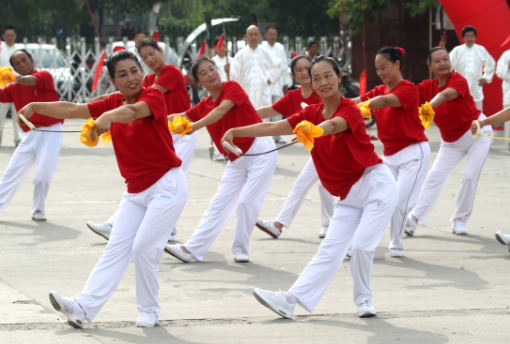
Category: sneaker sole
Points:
column 33, row 218
column 98, row 233
column 175, row 255
column 57, row 307
column 500, row 239
column 265, row 304
column 322, row 236
column 369, row 315
column 242, row 260
column 267, row 231
column 409, row 233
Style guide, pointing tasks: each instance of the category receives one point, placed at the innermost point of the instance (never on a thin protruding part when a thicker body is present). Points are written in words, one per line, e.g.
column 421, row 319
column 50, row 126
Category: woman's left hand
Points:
column 103, row 125
column 229, row 137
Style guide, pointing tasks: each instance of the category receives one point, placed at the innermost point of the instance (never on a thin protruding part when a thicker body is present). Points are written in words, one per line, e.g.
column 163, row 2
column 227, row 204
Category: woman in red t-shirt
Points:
column 245, row 181
column 169, row 80
column 156, row 189
column 406, row 151
column 289, row 105
column 349, row 168
column 455, row 111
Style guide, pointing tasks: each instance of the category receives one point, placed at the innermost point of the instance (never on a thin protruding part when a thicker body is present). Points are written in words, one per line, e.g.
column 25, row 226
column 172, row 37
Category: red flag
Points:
column 220, row 43
column 99, row 69
column 363, row 83
column 156, row 36
column 202, row 49
column 119, row 48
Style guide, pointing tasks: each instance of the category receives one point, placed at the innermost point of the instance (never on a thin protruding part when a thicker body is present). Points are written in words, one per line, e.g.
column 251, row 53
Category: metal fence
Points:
column 73, row 68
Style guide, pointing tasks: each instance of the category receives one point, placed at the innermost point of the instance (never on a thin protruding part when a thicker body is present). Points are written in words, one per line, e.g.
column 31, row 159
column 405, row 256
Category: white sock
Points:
column 290, row 298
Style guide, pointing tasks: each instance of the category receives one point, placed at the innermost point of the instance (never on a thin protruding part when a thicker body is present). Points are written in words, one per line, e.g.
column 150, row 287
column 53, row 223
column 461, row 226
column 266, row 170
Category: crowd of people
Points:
column 361, row 192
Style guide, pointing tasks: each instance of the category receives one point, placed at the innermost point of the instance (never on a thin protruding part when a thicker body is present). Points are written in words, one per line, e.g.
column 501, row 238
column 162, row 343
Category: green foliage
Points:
column 352, row 14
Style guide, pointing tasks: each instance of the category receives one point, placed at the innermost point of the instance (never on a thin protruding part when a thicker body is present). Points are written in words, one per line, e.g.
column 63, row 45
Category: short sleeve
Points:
column 155, row 100
column 285, row 104
column 194, row 112
column 407, row 95
column 234, row 92
column 422, row 93
column 169, row 78
column 302, row 115
column 352, row 114
column 459, row 84
column 97, row 108
column 369, row 95
column 44, row 80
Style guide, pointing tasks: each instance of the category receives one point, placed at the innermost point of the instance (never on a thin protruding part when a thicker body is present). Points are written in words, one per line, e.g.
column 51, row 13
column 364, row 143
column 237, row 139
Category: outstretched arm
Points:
column 62, row 110
column 444, row 96
column 27, row 80
column 215, row 115
column 267, row 112
column 500, row 117
column 389, row 100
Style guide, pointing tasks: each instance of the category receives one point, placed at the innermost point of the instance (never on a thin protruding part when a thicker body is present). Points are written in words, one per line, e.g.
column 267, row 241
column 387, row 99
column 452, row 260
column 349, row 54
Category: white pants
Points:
column 244, row 185
column 359, row 222
column 409, row 167
column 507, row 128
column 18, row 133
column 276, row 118
column 140, row 233
column 302, row 185
column 449, row 156
column 184, row 148
column 38, row 147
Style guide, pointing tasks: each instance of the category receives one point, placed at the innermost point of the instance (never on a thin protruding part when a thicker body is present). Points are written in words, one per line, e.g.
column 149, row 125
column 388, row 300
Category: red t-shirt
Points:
column 43, row 91
column 455, row 116
column 398, row 127
column 340, row 159
column 177, row 98
column 291, row 102
column 242, row 114
column 144, row 147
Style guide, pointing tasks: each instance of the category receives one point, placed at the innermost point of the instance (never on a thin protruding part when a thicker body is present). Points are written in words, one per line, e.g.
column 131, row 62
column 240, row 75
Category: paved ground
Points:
column 446, row 289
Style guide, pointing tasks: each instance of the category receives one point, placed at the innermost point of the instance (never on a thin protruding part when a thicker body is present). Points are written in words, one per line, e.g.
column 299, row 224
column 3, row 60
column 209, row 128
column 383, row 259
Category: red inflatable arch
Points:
column 492, row 21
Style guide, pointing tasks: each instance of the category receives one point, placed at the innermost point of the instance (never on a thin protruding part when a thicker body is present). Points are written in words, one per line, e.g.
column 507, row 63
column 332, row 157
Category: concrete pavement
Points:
column 446, row 289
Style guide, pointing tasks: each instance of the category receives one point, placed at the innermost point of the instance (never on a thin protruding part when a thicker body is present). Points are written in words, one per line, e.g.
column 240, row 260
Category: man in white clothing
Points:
column 474, row 63
column 503, row 72
column 281, row 86
column 6, row 49
column 255, row 69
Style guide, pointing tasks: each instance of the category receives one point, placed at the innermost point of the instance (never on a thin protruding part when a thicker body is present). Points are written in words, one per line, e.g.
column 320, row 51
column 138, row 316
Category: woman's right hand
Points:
column 474, row 127
column 27, row 111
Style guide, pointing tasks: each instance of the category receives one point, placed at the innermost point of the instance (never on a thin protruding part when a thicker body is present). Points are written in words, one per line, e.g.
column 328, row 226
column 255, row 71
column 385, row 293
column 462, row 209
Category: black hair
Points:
column 312, row 43
column 295, row 60
column 272, row 27
column 467, row 29
column 196, row 64
column 393, row 54
column 9, row 27
column 139, row 32
column 148, row 42
column 329, row 60
column 433, row 50
column 120, row 56
column 17, row 51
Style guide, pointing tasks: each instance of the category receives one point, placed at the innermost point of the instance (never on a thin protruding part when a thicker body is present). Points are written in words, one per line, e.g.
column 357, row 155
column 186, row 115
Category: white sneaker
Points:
column 38, row 216
column 177, row 252
column 366, row 310
column 275, row 301
column 396, row 253
column 70, row 308
column 171, row 238
column 459, row 228
column 503, row 239
column 241, row 257
column 269, row 228
column 349, row 253
column 410, row 226
column 101, row 229
column 146, row 319
column 323, row 232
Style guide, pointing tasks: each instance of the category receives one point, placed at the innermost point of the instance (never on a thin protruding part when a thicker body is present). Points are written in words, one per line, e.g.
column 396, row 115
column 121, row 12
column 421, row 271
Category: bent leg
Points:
column 327, row 205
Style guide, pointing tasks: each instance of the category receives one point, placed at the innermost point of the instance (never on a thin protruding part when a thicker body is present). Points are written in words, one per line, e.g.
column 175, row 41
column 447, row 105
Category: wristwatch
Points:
column 20, row 80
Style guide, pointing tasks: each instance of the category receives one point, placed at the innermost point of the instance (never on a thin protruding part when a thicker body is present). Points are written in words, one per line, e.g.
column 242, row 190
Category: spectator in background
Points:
column 281, row 86
column 137, row 38
column 313, row 49
column 223, row 61
column 503, row 72
column 474, row 63
column 7, row 48
column 127, row 29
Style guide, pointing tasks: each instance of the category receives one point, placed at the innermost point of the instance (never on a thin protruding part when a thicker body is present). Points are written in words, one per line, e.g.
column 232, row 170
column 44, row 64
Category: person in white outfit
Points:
column 7, row 48
column 503, row 72
column 474, row 63
column 366, row 188
column 290, row 104
column 501, row 117
column 42, row 148
column 170, row 81
column 156, row 190
column 281, row 86
column 223, row 62
column 406, row 148
column 256, row 69
column 246, row 179
column 455, row 110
